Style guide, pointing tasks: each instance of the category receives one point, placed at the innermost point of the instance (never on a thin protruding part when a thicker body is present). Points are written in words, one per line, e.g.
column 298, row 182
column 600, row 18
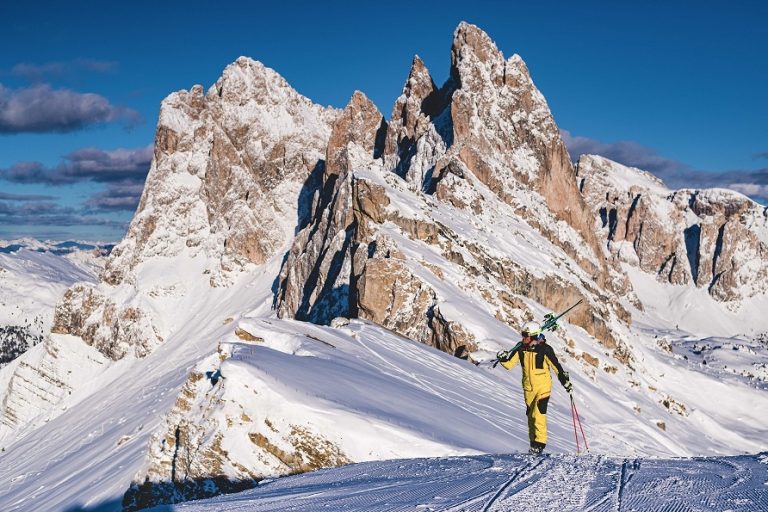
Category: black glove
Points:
column 502, row 357
column 565, row 380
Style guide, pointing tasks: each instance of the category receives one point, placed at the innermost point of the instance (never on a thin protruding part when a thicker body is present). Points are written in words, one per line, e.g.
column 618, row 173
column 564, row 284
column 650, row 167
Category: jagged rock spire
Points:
column 222, row 171
column 475, row 59
column 360, row 123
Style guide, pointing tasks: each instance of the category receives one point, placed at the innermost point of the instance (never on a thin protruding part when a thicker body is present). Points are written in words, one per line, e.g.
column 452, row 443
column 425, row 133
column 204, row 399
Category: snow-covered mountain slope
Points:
column 714, row 239
column 213, row 353
column 33, row 277
column 90, row 433
column 294, row 396
column 512, row 482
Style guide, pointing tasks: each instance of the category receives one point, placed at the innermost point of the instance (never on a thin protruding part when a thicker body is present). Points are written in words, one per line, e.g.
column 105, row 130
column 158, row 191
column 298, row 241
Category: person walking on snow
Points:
column 536, row 359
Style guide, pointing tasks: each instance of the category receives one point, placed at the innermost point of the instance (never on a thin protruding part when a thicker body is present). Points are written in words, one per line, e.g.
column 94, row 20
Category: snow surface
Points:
column 31, row 282
column 693, row 311
column 512, row 482
column 379, row 395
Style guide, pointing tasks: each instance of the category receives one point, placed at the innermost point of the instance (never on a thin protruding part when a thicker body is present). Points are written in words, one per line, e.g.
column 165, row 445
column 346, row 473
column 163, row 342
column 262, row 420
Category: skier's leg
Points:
column 539, row 419
column 530, row 406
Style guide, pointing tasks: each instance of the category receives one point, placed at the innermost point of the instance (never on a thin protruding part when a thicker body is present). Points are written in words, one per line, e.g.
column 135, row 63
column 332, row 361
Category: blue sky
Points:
column 677, row 88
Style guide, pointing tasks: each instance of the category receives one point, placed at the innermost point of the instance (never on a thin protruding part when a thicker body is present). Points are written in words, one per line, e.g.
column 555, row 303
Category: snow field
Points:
column 512, row 482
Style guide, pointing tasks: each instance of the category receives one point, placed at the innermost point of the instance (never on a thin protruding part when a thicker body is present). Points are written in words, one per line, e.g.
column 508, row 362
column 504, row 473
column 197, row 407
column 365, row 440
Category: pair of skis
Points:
column 550, row 320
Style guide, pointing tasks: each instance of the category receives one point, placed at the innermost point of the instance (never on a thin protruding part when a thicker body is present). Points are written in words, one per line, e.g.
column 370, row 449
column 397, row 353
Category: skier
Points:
column 536, row 359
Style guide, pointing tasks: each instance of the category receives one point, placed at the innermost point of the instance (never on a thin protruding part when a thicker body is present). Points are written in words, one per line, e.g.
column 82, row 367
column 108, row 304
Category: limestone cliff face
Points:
column 315, row 279
column 505, row 134
column 226, row 173
column 707, row 238
column 340, row 265
column 224, row 187
column 484, row 145
column 115, row 330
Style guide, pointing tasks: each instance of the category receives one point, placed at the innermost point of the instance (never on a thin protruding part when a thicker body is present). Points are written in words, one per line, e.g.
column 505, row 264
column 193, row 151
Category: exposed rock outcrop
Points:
column 708, row 238
column 192, row 456
column 115, row 330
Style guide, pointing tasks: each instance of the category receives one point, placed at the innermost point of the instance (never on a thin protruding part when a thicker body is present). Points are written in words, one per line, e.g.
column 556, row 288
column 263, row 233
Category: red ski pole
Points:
column 573, row 416
column 576, row 411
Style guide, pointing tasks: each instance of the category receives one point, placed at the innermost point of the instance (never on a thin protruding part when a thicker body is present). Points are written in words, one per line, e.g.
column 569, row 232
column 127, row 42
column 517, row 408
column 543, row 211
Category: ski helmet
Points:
column 531, row 329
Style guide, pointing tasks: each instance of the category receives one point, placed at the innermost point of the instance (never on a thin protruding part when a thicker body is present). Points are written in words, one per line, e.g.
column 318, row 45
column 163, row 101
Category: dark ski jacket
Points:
column 537, row 359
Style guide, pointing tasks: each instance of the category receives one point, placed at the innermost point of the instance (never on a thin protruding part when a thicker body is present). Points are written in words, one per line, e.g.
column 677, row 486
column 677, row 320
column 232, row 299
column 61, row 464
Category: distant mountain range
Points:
column 57, row 248
column 33, row 277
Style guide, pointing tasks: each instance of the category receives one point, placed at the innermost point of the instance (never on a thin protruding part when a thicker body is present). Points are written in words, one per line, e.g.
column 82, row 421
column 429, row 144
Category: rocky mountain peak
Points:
column 360, row 123
column 414, row 117
column 227, row 170
column 247, row 80
column 504, row 133
column 486, row 147
column 421, row 91
column 221, row 194
column 720, row 203
column 419, row 81
column 475, row 59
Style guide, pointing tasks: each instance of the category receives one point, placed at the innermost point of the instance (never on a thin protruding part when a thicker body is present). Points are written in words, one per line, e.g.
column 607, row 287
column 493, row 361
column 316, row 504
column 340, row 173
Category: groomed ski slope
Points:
column 512, row 482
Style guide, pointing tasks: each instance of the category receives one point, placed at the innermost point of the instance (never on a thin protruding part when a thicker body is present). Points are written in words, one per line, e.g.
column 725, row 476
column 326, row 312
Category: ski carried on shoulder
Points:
column 550, row 320
column 550, row 324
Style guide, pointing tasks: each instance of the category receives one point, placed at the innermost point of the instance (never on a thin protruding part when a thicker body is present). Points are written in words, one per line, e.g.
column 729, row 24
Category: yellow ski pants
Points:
column 536, row 401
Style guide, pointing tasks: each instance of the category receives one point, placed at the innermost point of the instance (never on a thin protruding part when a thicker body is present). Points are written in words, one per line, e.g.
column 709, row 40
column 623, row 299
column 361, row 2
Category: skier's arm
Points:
column 511, row 358
column 562, row 375
column 511, row 363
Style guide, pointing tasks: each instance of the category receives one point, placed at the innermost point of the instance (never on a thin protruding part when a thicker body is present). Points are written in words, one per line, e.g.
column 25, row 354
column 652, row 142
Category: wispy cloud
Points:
column 625, row 152
column 762, row 154
column 40, row 72
column 4, row 196
column 52, row 214
column 122, row 196
column 42, row 109
column 750, row 183
column 675, row 174
column 86, row 164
